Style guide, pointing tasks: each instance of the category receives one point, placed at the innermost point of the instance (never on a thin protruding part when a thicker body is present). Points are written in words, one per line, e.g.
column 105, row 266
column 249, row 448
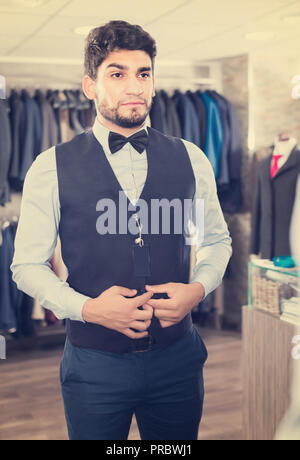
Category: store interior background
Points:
column 248, row 51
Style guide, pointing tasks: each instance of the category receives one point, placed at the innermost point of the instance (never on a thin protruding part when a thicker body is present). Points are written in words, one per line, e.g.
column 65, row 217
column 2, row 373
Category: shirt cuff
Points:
column 73, row 310
column 208, row 277
column 77, row 312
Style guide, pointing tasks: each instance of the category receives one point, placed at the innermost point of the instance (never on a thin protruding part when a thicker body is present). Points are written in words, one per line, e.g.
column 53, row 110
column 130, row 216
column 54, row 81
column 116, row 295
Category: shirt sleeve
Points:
column 211, row 236
column 36, row 240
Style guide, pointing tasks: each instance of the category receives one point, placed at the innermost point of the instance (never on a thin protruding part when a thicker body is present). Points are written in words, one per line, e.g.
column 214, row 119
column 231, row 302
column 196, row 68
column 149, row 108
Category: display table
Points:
column 267, row 367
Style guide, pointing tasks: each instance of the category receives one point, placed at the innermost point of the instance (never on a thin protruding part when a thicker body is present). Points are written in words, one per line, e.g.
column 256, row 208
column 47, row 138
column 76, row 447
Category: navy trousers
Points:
column 162, row 387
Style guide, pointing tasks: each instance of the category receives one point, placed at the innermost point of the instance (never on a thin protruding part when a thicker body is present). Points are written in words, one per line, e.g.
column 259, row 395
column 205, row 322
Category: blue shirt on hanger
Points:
column 214, row 134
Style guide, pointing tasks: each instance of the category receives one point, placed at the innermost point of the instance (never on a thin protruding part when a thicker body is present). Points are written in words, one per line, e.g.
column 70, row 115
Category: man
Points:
column 131, row 346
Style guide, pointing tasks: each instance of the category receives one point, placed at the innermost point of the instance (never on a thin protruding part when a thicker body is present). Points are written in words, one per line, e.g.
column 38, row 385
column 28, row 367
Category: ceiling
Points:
column 34, row 32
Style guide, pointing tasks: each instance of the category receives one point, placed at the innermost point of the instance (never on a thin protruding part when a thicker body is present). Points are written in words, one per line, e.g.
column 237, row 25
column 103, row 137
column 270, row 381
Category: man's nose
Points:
column 134, row 86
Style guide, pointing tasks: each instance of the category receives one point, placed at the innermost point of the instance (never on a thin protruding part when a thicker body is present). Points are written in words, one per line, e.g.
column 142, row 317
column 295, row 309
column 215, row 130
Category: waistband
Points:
column 104, row 339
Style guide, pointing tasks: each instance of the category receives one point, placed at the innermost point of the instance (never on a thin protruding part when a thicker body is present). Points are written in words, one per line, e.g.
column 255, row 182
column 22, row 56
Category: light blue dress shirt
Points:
column 37, row 231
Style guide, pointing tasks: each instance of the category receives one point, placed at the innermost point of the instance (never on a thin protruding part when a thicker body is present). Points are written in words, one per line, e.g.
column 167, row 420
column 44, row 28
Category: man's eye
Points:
column 145, row 75
column 117, row 74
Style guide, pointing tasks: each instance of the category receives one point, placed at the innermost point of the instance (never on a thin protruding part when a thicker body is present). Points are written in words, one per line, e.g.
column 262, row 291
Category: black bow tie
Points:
column 138, row 141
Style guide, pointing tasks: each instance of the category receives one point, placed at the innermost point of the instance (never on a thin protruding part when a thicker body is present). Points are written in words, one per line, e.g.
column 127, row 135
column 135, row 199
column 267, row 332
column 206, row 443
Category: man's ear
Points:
column 89, row 87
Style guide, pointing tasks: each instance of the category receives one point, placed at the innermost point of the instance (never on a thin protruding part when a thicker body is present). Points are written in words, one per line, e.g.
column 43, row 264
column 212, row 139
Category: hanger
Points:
column 70, row 99
column 83, row 102
column 4, row 223
column 54, row 99
column 62, row 99
column 7, row 221
column 2, row 87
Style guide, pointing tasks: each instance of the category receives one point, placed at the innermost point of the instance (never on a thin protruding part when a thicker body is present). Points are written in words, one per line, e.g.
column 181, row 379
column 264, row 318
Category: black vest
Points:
column 97, row 261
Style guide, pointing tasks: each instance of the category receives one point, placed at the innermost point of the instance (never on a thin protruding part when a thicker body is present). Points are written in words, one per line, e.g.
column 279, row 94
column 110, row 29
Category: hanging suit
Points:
column 49, row 126
column 231, row 198
column 75, row 124
column 33, row 133
column 5, row 153
column 236, row 148
column 202, row 116
column 7, row 313
column 17, row 122
column 188, row 118
column 158, row 114
column 173, row 123
column 273, row 206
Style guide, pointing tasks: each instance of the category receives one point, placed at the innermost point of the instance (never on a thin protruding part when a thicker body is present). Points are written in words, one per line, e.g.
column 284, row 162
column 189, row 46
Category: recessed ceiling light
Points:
column 29, row 3
column 83, row 30
column 260, row 36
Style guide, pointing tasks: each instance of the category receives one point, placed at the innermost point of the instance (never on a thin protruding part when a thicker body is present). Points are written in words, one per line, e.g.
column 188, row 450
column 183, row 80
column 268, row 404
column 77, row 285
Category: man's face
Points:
column 125, row 87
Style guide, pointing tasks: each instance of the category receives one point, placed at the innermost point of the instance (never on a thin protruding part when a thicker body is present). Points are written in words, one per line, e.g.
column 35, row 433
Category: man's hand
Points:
column 111, row 309
column 182, row 298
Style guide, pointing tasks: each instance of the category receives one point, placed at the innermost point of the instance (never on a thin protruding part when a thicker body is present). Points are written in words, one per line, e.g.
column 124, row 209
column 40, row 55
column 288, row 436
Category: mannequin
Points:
column 274, row 199
column 283, row 145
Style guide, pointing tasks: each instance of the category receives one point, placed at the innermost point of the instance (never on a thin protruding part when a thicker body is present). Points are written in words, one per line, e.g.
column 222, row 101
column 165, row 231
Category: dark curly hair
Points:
column 115, row 35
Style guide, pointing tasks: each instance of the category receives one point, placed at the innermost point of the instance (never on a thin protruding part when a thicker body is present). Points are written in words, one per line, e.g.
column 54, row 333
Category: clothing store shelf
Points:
column 45, row 337
column 267, row 365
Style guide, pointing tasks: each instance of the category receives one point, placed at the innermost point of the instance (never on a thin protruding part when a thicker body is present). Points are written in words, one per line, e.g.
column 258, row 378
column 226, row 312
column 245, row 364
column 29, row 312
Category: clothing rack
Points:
column 183, row 84
column 23, row 332
column 40, row 81
column 59, row 97
column 72, row 99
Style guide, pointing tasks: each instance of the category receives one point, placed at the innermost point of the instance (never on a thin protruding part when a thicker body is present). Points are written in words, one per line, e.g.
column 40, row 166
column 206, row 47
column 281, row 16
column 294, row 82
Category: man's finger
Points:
column 125, row 291
column 166, row 315
column 135, row 335
column 147, row 307
column 159, row 288
column 161, row 303
column 141, row 299
column 139, row 325
column 144, row 314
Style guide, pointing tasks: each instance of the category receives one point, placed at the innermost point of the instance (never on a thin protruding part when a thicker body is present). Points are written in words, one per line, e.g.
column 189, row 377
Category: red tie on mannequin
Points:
column 274, row 165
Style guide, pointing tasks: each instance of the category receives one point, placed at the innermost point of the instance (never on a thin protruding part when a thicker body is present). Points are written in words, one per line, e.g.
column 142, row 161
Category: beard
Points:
column 133, row 120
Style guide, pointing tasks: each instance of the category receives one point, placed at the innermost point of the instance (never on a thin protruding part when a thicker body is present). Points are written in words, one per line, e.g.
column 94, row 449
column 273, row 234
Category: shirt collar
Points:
column 101, row 133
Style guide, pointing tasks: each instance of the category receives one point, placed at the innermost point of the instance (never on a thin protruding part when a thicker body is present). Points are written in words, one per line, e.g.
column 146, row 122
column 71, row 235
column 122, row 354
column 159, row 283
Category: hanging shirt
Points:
column 214, row 135
column 8, row 320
